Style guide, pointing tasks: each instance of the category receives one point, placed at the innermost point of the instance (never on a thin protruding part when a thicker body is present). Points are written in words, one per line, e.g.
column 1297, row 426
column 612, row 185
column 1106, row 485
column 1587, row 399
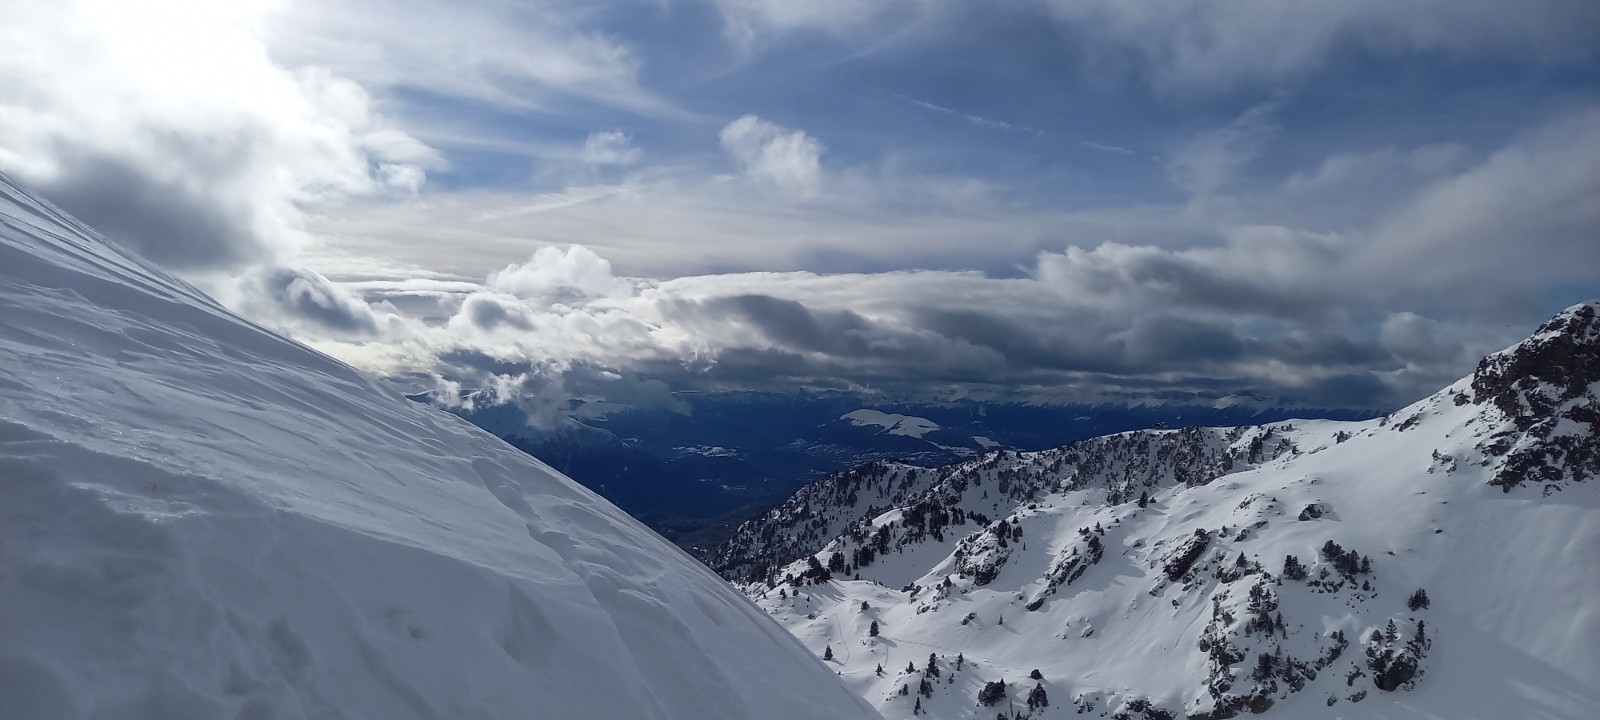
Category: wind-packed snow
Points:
column 201, row 519
column 1049, row 561
column 892, row 423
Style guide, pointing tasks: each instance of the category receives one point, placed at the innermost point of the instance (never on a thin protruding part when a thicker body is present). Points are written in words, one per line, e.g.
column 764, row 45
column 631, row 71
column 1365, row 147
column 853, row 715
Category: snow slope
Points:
column 1485, row 495
column 201, row 519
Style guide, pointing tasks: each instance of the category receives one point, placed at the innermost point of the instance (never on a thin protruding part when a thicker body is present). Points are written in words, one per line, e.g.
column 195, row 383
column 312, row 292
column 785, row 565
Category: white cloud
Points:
column 788, row 159
column 609, row 147
column 749, row 21
column 522, row 56
column 167, row 126
column 556, row 275
column 1526, row 218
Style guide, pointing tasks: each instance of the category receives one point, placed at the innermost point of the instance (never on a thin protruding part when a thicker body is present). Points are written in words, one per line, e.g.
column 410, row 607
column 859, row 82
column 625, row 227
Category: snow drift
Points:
column 201, row 519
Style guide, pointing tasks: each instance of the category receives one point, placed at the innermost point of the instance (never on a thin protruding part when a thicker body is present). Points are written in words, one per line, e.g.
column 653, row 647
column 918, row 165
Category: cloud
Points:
column 747, row 22
column 1525, row 218
column 556, row 275
column 1133, row 324
column 1268, row 271
column 1211, row 160
column 167, row 126
column 309, row 296
column 538, row 55
column 489, row 312
column 609, row 147
column 1188, row 47
column 789, row 160
column 1244, row 293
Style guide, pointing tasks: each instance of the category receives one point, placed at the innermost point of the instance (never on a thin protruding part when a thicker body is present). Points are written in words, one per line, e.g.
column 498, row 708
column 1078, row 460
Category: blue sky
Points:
column 1343, row 203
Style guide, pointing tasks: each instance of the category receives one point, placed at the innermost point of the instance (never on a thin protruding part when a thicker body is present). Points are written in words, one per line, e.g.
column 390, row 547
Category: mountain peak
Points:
column 1548, row 387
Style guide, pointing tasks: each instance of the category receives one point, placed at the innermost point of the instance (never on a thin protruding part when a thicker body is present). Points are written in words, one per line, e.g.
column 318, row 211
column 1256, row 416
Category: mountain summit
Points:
column 1548, row 386
column 1435, row 563
column 201, row 519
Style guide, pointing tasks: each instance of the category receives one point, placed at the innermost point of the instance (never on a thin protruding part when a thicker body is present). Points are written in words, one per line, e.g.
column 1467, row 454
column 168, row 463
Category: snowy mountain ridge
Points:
column 1437, row 562
column 201, row 519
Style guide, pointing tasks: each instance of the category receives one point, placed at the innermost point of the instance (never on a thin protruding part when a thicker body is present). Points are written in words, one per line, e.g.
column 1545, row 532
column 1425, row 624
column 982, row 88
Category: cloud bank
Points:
column 563, row 199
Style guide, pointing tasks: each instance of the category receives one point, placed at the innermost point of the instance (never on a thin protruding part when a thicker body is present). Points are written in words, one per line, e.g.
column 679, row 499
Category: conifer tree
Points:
column 992, row 692
column 1037, row 697
column 1292, row 568
column 827, row 652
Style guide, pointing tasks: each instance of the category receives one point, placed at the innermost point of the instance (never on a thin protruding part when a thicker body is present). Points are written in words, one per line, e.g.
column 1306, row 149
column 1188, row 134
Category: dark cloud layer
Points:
column 179, row 223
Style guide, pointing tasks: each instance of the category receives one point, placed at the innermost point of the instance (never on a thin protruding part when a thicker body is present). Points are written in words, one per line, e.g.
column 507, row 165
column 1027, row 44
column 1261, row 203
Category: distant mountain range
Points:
column 693, row 476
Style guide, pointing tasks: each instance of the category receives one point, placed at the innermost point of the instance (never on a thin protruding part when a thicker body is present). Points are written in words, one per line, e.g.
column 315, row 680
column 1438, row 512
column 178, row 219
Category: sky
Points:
column 1339, row 204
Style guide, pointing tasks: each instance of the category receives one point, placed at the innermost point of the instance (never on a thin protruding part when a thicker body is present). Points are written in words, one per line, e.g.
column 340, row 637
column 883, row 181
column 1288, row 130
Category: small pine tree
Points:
column 864, row 606
column 1292, row 568
column 917, row 709
column 880, row 670
column 992, row 692
column 911, row 667
column 933, row 666
column 1037, row 698
column 960, row 660
column 827, row 652
column 872, row 630
column 1418, row 600
column 1144, row 499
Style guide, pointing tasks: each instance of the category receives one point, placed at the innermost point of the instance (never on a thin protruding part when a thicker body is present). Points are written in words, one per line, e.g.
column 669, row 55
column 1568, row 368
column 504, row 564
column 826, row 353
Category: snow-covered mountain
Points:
column 201, row 519
column 1436, row 563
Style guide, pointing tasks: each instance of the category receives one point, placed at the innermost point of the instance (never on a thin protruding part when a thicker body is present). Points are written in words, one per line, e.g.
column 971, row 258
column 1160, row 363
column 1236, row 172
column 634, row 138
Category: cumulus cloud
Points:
column 790, row 160
column 184, row 139
column 557, row 275
column 304, row 303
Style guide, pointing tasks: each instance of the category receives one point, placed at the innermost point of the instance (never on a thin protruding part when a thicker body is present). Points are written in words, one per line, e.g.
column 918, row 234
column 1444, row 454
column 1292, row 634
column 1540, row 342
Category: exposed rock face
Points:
column 1547, row 386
